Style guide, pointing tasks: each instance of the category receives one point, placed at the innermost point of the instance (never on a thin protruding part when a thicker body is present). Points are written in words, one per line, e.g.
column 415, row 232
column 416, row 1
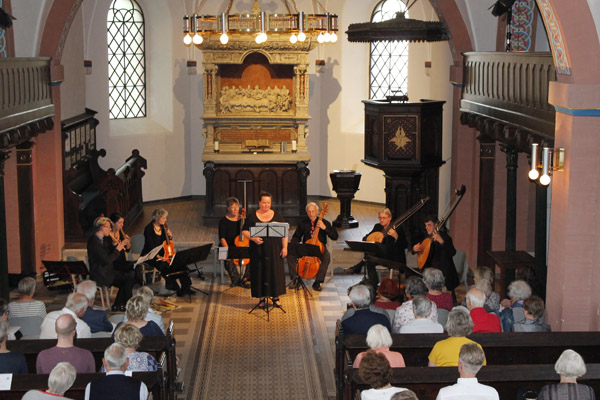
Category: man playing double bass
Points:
column 303, row 233
column 394, row 243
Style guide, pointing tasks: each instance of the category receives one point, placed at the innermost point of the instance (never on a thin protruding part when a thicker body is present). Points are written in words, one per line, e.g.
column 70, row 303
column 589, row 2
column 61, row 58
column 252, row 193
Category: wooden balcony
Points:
column 26, row 107
column 508, row 92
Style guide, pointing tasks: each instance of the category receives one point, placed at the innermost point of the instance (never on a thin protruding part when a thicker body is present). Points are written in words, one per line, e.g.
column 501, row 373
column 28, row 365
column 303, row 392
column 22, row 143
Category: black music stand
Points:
column 267, row 230
column 237, row 253
column 368, row 248
column 302, row 250
column 66, row 268
column 183, row 258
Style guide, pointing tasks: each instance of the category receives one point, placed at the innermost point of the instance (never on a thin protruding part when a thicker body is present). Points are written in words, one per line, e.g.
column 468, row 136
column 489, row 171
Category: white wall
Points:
column 28, row 27
column 74, row 101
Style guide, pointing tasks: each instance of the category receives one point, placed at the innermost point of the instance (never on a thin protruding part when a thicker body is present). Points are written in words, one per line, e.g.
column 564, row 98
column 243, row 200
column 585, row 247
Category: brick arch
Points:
column 57, row 28
column 460, row 41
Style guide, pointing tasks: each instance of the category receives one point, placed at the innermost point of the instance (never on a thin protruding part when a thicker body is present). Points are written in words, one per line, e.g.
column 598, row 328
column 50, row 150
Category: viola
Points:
column 309, row 266
column 168, row 246
column 241, row 240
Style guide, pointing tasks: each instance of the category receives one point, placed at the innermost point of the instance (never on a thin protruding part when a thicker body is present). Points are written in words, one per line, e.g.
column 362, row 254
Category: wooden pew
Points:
column 500, row 348
column 506, row 379
column 23, row 383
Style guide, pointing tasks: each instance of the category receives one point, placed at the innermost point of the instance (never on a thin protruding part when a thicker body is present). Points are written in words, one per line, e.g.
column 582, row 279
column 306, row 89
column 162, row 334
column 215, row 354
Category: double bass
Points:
column 242, row 241
column 423, row 255
column 309, row 266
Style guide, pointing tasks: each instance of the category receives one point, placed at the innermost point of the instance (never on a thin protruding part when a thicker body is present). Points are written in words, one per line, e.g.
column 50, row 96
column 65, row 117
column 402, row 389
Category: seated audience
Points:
column 60, row 380
column 470, row 360
column 375, row 371
column 148, row 296
column 10, row 363
column 569, row 366
column 4, row 317
column 527, row 274
column 136, row 310
column 404, row 314
column 513, row 313
column 96, row 319
column 492, row 301
column 445, row 352
column 76, row 306
column 388, row 293
column 65, row 350
column 533, row 309
column 25, row 305
column 422, row 324
column 380, row 340
column 405, row 395
column 360, row 318
column 434, row 281
column 130, row 337
column 483, row 321
column 116, row 385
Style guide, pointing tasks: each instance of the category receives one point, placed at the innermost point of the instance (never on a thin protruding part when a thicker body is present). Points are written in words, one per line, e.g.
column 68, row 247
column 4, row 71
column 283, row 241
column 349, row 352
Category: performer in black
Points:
column 441, row 252
column 229, row 229
column 117, row 236
column 101, row 257
column 155, row 234
column 305, row 231
column 266, row 255
column 394, row 243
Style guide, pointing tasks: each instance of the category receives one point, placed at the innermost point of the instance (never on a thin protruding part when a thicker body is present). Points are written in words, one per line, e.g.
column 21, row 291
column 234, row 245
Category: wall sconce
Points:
column 552, row 160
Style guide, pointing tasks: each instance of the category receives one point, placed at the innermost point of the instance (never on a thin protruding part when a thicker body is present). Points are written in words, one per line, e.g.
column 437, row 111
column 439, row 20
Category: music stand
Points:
column 303, row 250
column 269, row 230
column 183, row 258
column 233, row 253
column 373, row 248
column 66, row 268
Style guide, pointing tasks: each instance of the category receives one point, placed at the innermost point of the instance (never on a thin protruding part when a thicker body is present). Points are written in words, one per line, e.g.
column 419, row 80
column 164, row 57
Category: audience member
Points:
column 483, row 321
column 4, row 317
column 470, row 360
column 375, row 371
column 130, row 337
column 380, row 340
column 388, row 292
column 492, row 301
column 136, row 310
column 96, row 319
column 10, row 363
column 116, row 385
column 25, row 305
column 422, row 324
column 569, row 366
column 528, row 275
column 81, row 359
column 434, row 281
column 76, row 306
column 148, row 295
column 405, row 395
column 533, row 309
column 60, row 380
column 361, row 318
column 445, row 352
column 404, row 314
column 513, row 313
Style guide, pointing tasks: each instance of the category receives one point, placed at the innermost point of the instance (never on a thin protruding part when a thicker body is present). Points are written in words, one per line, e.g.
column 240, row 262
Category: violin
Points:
column 309, row 266
column 241, row 240
column 168, row 246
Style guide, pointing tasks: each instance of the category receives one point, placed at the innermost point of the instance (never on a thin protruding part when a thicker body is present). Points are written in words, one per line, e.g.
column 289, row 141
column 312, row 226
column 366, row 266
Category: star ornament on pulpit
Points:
column 401, row 139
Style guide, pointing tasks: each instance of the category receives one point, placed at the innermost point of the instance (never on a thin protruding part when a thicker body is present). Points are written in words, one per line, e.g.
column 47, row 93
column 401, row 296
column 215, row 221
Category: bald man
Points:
column 81, row 359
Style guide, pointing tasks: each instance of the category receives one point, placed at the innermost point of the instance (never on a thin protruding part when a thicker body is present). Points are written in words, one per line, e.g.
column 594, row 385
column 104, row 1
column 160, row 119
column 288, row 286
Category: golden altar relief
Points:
column 246, row 100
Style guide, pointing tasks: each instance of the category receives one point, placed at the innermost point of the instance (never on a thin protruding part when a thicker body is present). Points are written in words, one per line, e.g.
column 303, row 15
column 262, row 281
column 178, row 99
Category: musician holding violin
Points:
column 305, row 231
column 230, row 235
column 157, row 233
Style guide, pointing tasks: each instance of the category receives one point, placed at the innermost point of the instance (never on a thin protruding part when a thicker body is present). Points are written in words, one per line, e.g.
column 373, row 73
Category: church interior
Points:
column 491, row 101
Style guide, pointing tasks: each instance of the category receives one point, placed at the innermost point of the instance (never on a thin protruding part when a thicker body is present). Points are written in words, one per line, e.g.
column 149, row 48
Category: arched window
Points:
column 126, row 60
column 389, row 60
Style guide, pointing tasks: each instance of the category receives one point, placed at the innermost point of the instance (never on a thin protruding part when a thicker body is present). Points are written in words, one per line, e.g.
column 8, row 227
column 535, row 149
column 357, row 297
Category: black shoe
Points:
column 245, row 284
column 317, row 286
column 293, row 284
column 115, row 308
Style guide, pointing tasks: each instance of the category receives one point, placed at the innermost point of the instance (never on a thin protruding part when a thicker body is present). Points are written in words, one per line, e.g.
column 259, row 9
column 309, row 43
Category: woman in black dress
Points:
column 229, row 229
column 266, row 255
column 155, row 234
column 117, row 236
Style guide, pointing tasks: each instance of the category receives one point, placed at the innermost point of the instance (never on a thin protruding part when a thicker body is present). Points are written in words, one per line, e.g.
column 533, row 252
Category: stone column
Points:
column 512, row 159
column 485, row 222
column 4, row 155
column 26, row 213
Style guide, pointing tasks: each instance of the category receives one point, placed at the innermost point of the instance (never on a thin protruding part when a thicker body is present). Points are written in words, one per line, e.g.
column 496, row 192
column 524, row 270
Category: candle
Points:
column 216, row 145
column 294, row 148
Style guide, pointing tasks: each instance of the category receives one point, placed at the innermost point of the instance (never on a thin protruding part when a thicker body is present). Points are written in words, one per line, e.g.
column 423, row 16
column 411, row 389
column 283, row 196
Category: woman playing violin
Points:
column 229, row 229
column 155, row 234
column 266, row 255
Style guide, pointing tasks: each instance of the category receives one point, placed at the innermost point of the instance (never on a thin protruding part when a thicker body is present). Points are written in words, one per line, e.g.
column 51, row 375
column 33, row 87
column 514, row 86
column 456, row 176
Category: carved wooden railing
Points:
column 26, row 107
column 511, row 88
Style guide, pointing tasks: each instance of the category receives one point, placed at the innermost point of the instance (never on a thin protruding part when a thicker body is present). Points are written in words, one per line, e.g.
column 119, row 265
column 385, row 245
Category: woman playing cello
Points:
column 229, row 229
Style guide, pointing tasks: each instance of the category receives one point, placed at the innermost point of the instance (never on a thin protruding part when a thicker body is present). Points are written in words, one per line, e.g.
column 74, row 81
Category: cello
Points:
column 242, row 241
column 309, row 266
column 168, row 246
column 423, row 255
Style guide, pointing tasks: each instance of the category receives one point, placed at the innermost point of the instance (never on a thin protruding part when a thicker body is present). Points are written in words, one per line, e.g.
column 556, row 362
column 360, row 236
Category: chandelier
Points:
column 298, row 25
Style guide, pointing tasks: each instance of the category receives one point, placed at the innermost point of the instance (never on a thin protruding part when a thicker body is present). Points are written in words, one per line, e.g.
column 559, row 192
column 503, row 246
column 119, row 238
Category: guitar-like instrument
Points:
column 378, row 237
column 423, row 255
column 309, row 266
column 168, row 246
column 241, row 240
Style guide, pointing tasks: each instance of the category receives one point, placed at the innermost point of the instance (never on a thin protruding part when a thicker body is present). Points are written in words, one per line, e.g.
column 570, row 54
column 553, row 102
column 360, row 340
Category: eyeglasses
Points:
column 107, row 226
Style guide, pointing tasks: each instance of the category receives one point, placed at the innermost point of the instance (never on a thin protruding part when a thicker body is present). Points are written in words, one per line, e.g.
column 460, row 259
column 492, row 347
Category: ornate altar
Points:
column 405, row 141
column 255, row 123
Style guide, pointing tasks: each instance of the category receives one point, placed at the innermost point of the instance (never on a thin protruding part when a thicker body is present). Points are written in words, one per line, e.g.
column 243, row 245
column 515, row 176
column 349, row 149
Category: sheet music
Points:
column 150, row 255
column 5, row 381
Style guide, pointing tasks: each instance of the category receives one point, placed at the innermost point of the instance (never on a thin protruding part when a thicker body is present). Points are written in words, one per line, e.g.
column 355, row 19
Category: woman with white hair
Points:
column 60, row 380
column 513, row 313
column 435, row 281
column 569, row 366
column 25, row 305
column 380, row 340
column 130, row 337
column 445, row 352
